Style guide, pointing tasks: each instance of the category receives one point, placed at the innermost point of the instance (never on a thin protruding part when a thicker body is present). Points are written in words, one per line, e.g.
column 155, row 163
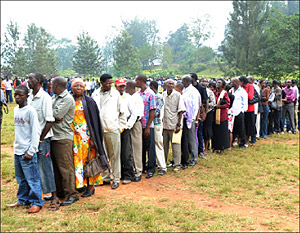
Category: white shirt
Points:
column 112, row 111
column 134, row 108
column 296, row 93
column 42, row 103
column 193, row 94
column 88, row 85
column 240, row 102
column 27, row 130
column 256, row 87
column 8, row 84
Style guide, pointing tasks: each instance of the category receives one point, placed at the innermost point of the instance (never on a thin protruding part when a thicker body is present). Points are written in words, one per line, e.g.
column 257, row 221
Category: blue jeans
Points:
column 28, row 178
column 45, row 167
column 200, row 137
column 9, row 96
column 264, row 121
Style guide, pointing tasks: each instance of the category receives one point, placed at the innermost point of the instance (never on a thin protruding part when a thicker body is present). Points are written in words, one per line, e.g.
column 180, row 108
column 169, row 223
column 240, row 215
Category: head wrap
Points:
column 77, row 81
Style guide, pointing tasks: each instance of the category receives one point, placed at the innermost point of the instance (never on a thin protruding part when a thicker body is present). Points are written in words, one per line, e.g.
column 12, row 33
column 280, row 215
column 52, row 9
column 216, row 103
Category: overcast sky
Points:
column 69, row 18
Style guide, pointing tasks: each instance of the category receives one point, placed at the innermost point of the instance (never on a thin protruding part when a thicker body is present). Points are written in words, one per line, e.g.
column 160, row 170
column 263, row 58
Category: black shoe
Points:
column 171, row 164
column 184, row 166
column 137, row 179
column 48, row 198
column 149, row 175
column 242, row 146
column 104, row 183
column 115, row 185
column 161, row 172
column 69, row 201
column 88, row 193
column 81, row 190
column 192, row 163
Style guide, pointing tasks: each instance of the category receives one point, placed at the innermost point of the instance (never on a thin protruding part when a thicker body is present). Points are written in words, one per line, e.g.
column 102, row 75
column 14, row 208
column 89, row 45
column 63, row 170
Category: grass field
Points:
column 255, row 189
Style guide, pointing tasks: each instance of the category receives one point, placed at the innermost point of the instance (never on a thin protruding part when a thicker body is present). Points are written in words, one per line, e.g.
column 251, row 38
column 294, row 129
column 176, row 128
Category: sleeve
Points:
column 227, row 101
column 132, row 106
column 47, row 109
column 35, row 132
column 152, row 99
column 159, row 104
column 60, row 110
column 181, row 106
column 212, row 100
column 122, row 116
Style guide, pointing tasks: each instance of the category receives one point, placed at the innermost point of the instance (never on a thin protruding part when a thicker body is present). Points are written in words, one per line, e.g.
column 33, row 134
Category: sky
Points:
column 101, row 19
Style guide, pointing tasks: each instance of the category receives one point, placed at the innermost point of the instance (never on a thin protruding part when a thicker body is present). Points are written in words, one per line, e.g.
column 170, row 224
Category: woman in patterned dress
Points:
column 87, row 138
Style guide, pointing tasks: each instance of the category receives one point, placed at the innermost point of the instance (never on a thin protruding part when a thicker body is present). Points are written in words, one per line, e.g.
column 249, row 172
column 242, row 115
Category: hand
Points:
column 196, row 123
column 147, row 132
column 27, row 157
column 177, row 129
column 92, row 144
column 59, row 120
column 203, row 118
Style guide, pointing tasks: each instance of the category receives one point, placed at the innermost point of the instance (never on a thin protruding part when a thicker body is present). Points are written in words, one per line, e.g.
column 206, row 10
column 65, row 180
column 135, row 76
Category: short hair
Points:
column 294, row 81
column 142, row 78
column 212, row 84
column 262, row 80
column 180, row 85
column 194, row 76
column 105, row 77
column 23, row 88
column 38, row 76
column 243, row 79
column 154, row 84
column 170, row 81
column 223, row 82
column 276, row 82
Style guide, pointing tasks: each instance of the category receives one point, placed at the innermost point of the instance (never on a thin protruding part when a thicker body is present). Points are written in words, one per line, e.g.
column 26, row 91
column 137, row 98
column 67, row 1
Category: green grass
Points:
column 8, row 128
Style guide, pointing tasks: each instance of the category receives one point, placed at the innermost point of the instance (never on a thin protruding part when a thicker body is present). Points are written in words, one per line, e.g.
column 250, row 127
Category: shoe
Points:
column 17, row 204
column 54, row 205
column 294, row 132
column 161, row 172
column 88, row 193
column 48, row 198
column 34, row 209
column 192, row 164
column 83, row 189
column 289, row 131
column 104, row 183
column 149, row 175
column 184, row 166
column 137, row 179
column 115, row 185
column 176, row 170
column 69, row 201
column 126, row 182
column 242, row 147
column 201, row 154
column 171, row 164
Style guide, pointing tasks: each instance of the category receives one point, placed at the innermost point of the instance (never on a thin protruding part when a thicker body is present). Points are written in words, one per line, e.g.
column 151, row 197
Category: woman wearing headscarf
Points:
column 88, row 137
column 220, row 139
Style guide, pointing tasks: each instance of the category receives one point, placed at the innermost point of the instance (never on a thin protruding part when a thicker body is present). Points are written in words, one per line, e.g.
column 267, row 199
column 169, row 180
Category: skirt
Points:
column 207, row 126
column 250, row 124
column 220, row 139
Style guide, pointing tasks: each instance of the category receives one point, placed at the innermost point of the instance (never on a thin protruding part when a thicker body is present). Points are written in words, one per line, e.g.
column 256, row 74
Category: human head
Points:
column 186, row 80
column 203, row 81
column 275, row 83
column 212, row 85
column 120, row 84
column 235, row 82
column 130, row 88
column 293, row 82
column 194, row 77
column 153, row 86
column 106, row 82
column 78, row 87
column 250, row 79
column 21, row 95
column 288, row 83
column 243, row 81
column 220, row 84
column 59, row 84
column 262, row 83
column 169, row 84
column 179, row 87
column 35, row 80
column 140, row 80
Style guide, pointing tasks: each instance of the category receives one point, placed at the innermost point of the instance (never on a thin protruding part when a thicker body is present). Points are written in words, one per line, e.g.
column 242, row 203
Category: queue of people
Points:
column 129, row 129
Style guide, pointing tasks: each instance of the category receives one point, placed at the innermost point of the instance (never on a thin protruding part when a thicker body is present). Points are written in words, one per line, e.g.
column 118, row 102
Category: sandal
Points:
column 54, row 205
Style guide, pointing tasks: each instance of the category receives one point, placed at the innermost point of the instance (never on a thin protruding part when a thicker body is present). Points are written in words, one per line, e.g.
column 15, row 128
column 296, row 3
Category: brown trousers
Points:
column 63, row 166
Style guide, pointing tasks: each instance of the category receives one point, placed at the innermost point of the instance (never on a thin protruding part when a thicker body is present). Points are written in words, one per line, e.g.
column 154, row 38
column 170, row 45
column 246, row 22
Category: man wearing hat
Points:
column 127, row 164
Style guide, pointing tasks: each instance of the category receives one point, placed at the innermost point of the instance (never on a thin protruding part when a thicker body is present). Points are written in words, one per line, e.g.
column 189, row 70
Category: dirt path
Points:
column 165, row 190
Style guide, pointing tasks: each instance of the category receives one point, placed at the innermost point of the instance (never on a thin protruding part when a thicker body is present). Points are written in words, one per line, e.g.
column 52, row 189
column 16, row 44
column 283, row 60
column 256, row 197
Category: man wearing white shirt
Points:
column 239, row 106
column 192, row 100
column 137, row 108
column 88, row 87
column 113, row 119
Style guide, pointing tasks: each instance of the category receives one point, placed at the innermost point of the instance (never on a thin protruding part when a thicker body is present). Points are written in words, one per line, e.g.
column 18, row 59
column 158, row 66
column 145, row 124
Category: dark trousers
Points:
column 127, row 166
column 188, row 141
column 63, row 166
column 200, row 137
column 274, row 121
column 239, row 128
column 149, row 146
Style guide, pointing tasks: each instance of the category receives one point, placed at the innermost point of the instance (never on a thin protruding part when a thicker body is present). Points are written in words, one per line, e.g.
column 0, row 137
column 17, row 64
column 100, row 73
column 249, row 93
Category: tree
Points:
column 200, row 30
column 39, row 54
column 245, row 36
column 87, row 59
column 126, row 61
column 281, row 57
column 64, row 52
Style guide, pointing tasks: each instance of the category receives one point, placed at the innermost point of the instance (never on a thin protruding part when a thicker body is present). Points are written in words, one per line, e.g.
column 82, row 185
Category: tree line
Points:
column 261, row 38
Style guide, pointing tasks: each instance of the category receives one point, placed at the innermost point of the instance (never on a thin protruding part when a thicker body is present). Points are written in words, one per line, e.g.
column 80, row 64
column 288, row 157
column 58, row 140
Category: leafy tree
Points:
column 245, row 37
column 64, row 52
column 87, row 59
column 200, row 30
column 293, row 7
column 281, row 57
column 167, row 56
column 126, row 61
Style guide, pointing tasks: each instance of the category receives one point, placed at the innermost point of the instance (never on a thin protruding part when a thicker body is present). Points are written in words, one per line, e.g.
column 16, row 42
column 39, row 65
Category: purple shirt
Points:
column 290, row 94
column 149, row 100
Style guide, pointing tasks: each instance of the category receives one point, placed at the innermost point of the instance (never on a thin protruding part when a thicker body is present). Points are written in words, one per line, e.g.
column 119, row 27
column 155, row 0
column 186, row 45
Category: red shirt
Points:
column 250, row 91
column 224, row 107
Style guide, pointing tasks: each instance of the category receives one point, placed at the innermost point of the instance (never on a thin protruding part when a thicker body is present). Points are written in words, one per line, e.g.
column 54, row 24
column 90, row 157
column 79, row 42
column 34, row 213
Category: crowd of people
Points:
column 130, row 128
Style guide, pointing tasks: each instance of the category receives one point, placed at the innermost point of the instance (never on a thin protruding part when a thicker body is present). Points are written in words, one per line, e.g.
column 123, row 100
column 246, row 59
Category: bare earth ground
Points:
column 162, row 191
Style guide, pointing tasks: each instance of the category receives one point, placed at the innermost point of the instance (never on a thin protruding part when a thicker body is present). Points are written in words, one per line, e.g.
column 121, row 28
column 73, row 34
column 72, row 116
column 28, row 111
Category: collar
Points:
column 63, row 94
column 38, row 94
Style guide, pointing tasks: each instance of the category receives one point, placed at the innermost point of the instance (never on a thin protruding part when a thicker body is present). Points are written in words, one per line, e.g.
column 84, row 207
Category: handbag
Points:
column 255, row 99
column 92, row 167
